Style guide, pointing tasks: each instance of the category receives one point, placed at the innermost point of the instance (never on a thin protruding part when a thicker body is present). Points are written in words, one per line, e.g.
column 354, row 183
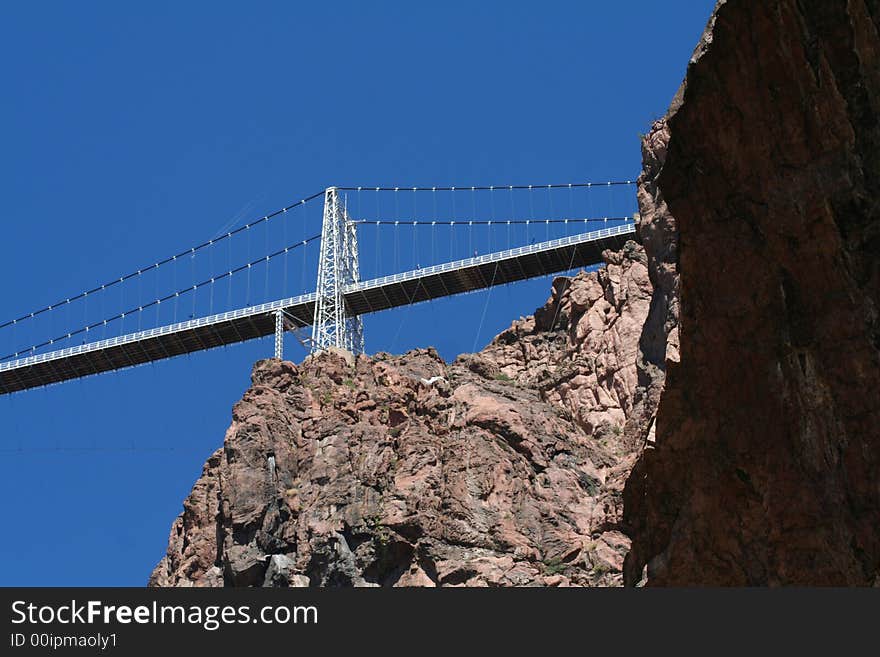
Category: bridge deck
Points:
column 365, row 297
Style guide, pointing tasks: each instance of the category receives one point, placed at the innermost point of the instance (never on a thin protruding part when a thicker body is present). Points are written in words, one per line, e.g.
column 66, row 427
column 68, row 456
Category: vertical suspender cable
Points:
column 610, row 200
column 266, row 284
column 415, row 215
column 211, row 291
column 229, row 268
column 531, row 207
column 174, row 274
column 140, row 297
column 378, row 236
column 512, row 210
column 433, row 224
column 360, row 216
column 192, row 268
column 452, row 226
column 471, row 223
column 396, row 231
column 491, row 211
column 158, row 306
column 588, row 192
column 247, row 294
column 302, row 287
column 122, row 305
column 284, row 285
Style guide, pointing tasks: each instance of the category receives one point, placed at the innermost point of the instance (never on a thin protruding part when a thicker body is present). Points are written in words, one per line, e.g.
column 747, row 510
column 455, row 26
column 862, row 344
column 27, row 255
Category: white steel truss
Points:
column 279, row 334
column 338, row 268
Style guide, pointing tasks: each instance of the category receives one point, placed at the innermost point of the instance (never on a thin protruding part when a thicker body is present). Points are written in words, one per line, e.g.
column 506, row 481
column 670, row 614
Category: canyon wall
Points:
column 766, row 464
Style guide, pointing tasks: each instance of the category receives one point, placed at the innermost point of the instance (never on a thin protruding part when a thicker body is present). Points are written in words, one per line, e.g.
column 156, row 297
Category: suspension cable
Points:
column 169, row 297
column 481, row 222
column 160, row 263
column 487, row 187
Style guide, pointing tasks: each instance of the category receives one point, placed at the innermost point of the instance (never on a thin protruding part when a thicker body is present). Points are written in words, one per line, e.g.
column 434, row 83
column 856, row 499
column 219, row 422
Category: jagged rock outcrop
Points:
column 503, row 468
column 580, row 351
column 659, row 341
column 766, row 468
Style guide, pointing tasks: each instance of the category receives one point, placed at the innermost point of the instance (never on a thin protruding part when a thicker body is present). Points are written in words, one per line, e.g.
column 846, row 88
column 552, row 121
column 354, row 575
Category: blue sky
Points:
column 133, row 131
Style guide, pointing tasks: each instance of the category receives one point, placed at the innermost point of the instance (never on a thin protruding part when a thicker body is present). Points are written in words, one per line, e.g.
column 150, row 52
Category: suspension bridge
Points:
column 504, row 233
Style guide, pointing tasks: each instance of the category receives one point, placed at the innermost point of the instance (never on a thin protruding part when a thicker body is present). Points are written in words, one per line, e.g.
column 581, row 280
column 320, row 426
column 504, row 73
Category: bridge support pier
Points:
column 338, row 267
column 279, row 334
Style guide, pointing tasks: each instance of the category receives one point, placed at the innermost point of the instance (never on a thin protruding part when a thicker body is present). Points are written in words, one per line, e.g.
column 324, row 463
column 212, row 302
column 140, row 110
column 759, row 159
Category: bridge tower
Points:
column 338, row 267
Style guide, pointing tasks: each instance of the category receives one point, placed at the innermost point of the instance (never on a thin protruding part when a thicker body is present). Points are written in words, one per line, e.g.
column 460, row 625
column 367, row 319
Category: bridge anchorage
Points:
column 342, row 295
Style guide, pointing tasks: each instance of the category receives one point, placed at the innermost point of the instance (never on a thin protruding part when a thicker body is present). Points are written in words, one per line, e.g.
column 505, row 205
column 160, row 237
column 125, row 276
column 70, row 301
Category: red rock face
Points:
column 504, row 468
column 766, row 468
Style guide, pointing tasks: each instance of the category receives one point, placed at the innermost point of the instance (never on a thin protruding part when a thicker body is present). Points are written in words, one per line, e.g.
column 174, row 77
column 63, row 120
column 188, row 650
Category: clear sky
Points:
column 133, row 131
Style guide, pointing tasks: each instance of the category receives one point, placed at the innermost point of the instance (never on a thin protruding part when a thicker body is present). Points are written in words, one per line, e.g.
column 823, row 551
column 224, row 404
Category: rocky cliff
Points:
column 705, row 406
column 503, row 468
column 766, row 466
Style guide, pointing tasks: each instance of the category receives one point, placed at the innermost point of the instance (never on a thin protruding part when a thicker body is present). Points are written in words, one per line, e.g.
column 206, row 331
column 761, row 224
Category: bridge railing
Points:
column 159, row 331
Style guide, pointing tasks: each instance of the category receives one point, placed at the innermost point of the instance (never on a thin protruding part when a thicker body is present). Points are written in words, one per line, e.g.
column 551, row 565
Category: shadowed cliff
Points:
column 766, row 468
